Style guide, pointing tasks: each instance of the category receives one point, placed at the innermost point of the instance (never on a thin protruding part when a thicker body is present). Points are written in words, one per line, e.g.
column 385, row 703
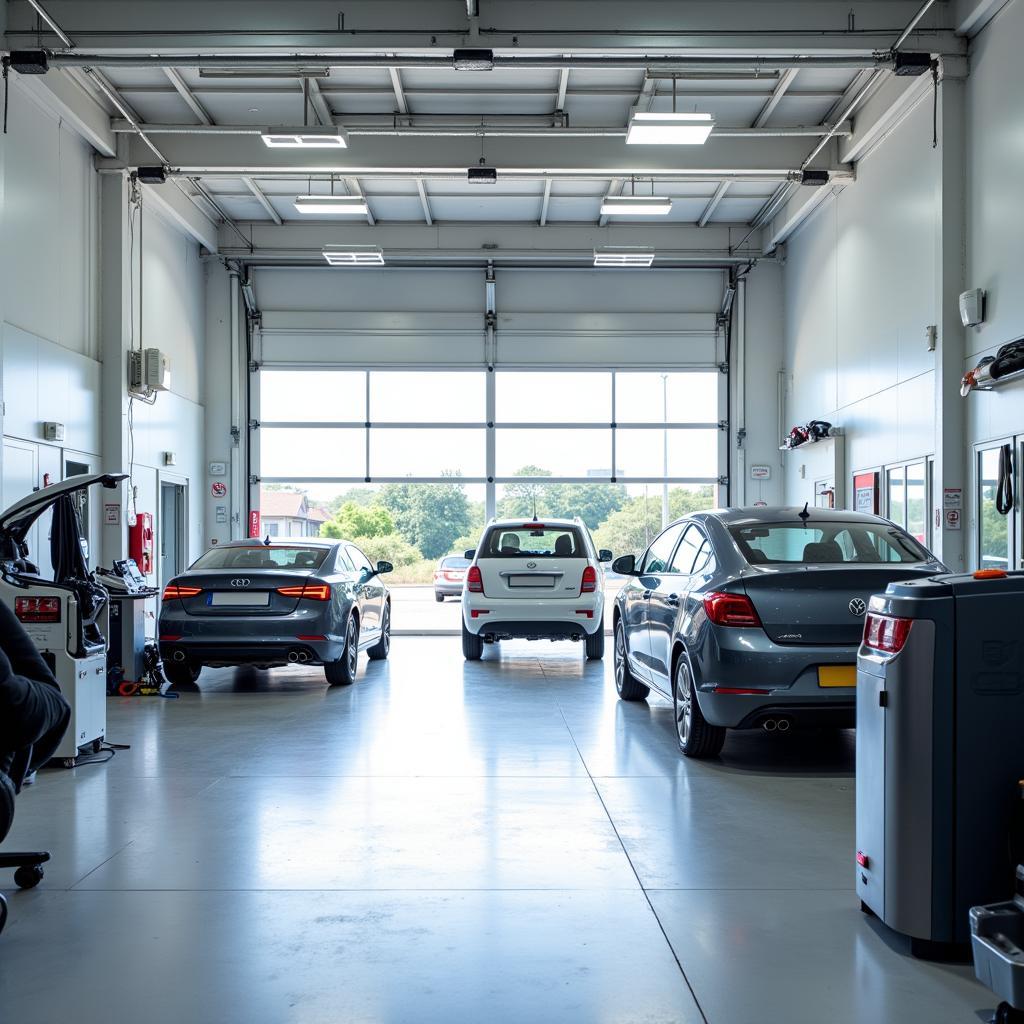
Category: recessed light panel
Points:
column 624, row 256
column 635, row 206
column 304, row 138
column 337, row 205
column 647, row 129
column 354, row 255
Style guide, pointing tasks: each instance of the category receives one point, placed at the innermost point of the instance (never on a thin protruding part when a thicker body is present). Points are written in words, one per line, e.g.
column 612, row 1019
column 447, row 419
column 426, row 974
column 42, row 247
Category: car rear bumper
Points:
column 279, row 651
column 740, row 660
column 533, row 619
column 448, row 589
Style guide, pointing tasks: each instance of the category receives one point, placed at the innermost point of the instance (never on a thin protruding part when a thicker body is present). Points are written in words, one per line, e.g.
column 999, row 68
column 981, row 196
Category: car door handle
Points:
column 647, row 593
column 673, row 599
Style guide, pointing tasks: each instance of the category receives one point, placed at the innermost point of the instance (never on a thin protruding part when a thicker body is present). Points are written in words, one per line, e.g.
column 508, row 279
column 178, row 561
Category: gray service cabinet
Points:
column 940, row 750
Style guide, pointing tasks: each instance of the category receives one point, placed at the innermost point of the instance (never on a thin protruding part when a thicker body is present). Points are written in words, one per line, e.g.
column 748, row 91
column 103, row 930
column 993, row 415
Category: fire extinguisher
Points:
column 140, row 542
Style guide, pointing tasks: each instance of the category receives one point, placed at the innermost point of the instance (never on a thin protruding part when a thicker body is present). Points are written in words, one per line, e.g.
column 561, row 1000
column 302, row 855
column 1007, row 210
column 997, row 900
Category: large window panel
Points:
column 417, row 396
column 666, row 397
column 993, row 528
column 897, row 501
column 562, row 397
column 691, row 453
column 312, row 452
column 312, row 396
column 917, row 502
column 427, row 451
column 559, row 452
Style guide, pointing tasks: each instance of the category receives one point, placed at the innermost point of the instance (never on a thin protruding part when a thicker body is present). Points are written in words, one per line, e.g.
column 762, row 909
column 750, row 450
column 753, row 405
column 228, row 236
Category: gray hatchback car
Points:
column 277, row 602
column 751, row 618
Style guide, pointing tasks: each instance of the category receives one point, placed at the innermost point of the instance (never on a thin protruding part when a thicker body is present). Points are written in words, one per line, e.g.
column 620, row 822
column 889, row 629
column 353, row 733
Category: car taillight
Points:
column 310, row 591
column 886, row 632
column 474, row 580
column 589, row 584
column 730, row 610
column 37, row 609
column 175, row 590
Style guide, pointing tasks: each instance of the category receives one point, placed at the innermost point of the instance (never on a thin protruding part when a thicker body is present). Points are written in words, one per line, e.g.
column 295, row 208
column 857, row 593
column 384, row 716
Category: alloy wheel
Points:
column 683, row 701
column 351, row 646
column 386, row 630
column 620, row 658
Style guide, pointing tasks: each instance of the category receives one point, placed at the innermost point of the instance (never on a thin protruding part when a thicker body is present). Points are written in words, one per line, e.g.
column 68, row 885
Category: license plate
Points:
column 231, row 599
column 837, row 675
column 532, row 581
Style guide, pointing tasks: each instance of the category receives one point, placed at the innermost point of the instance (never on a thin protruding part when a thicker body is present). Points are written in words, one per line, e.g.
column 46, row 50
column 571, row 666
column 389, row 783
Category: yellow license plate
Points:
column 837, row 675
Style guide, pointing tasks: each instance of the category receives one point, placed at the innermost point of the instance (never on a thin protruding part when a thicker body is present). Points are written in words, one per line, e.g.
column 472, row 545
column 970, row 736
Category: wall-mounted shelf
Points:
column 811, row 441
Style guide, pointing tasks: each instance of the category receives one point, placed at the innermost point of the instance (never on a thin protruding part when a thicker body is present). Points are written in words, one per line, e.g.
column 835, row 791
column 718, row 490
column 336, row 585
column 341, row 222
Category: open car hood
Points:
column 16, row 521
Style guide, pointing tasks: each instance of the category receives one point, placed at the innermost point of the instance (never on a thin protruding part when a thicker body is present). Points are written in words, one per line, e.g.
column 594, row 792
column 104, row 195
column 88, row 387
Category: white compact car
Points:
column 534, row 581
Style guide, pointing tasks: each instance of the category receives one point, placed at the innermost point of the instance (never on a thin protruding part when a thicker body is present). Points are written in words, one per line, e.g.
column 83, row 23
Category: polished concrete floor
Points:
column 443, row 842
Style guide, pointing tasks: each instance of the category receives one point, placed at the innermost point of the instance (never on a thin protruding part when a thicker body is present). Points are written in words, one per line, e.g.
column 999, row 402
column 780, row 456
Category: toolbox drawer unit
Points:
column 940, row 751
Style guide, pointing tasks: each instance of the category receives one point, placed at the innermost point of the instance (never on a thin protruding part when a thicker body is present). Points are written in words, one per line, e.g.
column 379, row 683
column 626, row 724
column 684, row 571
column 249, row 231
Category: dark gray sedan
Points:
column 751, row 618
column 288, row 601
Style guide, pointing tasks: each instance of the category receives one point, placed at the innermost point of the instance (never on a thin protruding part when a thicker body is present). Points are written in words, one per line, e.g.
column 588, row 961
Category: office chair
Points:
column 29, row 870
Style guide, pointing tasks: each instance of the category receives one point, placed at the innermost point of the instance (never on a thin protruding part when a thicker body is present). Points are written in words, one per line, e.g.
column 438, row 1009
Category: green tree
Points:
column 429, row 516
column 355, row 495
column 593, row 503
column 629, row 530
column 525, row 499
column 391, row 547
column 352, row 521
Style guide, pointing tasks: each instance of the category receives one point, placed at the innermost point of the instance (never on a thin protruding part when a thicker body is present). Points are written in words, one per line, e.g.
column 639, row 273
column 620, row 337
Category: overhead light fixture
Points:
column 482, row 176
column 354, row 255
column 256, row 72
column 814, row 177
column 473, row 60
column 304, row 138
column 635, row 206
column 355, row 206
column 647, row 129
column 624, row 256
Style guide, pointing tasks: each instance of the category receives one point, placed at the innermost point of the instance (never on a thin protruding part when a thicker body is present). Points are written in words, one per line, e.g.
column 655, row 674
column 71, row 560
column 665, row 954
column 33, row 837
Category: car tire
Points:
column 595, row 645
column 627, row 685
column 472, row 645
column 697, row 739
column 343, row 671
column 380, row 650
column 181, row 673
column 439, row 598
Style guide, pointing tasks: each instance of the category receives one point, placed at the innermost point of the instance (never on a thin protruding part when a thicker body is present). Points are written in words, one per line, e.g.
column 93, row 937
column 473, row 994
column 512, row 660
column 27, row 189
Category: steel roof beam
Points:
column 182, row 89
column 399, row 91
column 263, row 200
column 424, row 202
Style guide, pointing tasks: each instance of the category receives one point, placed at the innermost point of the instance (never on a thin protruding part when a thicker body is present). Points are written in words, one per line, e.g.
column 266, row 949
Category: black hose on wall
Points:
column 1004, row 490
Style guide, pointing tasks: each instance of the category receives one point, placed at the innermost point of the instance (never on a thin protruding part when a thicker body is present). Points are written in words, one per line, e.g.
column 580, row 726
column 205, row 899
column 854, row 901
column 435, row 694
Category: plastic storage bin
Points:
column 997, row 937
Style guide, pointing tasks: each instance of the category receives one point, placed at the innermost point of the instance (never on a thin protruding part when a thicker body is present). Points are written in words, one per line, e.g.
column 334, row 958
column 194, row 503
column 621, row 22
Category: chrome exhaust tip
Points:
column 783, row 725
column 179, row 655
column 293, row 657
column 769, row 725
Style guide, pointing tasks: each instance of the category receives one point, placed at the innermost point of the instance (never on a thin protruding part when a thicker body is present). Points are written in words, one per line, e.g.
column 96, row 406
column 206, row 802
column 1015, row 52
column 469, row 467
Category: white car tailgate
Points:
column 532, row 577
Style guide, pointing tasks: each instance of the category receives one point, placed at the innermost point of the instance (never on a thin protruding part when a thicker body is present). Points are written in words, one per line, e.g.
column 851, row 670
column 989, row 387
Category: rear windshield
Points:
column 258, row 556
column 455, row 562
column 531, row 541
column 826, row 544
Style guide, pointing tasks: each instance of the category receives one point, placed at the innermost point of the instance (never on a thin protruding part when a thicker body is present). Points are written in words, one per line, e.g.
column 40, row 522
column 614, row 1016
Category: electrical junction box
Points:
column 53, row 431
column 148, row 371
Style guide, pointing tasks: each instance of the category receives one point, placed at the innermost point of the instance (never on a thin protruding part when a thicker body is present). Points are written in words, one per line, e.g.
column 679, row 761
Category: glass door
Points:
column 996, row 530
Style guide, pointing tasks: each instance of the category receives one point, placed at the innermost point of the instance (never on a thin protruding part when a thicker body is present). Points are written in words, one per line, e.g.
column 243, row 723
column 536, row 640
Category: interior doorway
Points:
column 172, row 530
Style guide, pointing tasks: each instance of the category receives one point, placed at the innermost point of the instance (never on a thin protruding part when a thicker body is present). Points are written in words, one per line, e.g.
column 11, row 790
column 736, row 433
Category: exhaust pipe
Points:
column 770, row 725
column 293, row 657
column 303, row 657
column 179, row 655
column 783, row 725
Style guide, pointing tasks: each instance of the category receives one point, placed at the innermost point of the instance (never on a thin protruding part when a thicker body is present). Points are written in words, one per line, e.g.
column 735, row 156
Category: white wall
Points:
column 859, row 293
column 995, row 212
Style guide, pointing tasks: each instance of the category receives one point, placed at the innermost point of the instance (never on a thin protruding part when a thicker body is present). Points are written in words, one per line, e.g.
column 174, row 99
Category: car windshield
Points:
column 533, row 540
column 260, row 556
column 834, row 543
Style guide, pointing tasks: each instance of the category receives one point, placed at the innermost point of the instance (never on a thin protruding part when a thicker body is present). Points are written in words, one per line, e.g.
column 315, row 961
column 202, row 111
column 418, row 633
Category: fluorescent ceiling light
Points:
column 624, row 256
column 669, row 129
column 346, row 205
column 354, row 255
column 482, row 175
column 473, row 60
column 304, row 138
column 635, row 206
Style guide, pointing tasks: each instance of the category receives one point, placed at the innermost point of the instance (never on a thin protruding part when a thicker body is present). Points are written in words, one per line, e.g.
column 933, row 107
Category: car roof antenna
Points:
column 805, row 515
column 535, row 506
column 266, row 541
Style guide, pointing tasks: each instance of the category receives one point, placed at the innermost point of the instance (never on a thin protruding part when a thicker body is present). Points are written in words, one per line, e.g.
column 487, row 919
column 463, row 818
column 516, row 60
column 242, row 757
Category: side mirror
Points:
column 625, row 565
column 384, row 567
column 470, row 554
column 604, row 555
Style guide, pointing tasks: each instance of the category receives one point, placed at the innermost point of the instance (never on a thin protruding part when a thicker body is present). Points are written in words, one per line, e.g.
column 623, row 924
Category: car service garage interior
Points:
column 510, row 512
